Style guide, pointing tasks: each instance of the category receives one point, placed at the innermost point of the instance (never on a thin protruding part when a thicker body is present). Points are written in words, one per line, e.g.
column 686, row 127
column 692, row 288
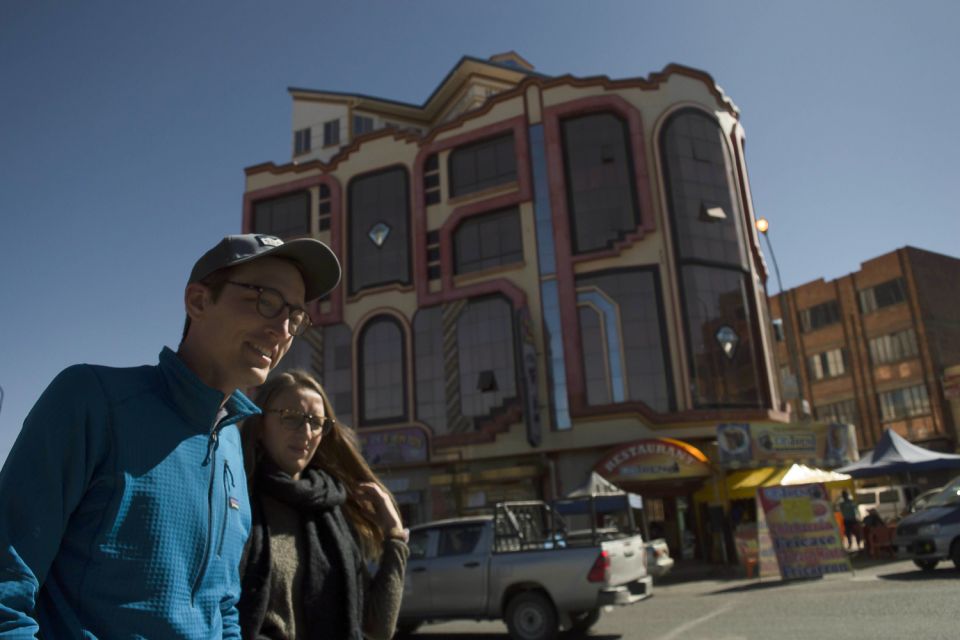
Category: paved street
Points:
column 892, row 600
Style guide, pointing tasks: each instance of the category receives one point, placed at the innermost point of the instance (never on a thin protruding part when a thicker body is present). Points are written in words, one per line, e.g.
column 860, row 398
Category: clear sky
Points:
column 125, row 128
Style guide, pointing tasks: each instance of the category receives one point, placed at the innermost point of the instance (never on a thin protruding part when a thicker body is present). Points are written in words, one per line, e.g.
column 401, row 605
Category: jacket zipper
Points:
column 228, row 484
column 212, row 444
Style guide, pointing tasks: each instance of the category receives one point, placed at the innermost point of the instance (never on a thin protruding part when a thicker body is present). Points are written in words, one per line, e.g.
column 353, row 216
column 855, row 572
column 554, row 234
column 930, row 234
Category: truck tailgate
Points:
column 628, row 561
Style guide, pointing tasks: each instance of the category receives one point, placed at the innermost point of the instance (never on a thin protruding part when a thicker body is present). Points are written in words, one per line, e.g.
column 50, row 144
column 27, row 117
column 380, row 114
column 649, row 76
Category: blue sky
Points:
column 125, row 128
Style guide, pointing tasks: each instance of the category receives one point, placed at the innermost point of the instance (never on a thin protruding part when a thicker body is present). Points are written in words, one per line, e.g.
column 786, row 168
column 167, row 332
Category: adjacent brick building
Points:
column 872, row 348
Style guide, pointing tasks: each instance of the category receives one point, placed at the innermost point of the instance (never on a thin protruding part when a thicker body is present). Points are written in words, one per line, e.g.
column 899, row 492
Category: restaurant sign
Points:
column 653, row 459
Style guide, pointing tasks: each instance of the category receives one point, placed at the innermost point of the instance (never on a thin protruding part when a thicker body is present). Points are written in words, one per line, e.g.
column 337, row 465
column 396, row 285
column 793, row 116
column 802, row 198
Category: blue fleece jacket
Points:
column 123, row 508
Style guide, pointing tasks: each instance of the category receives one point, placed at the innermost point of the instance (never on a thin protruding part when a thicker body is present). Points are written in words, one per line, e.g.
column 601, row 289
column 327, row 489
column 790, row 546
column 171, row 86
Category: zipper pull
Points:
column 212, row 444
column 228, row 475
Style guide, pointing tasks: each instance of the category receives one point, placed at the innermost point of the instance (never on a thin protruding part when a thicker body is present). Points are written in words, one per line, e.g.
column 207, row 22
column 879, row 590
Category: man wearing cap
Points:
column 123, row 504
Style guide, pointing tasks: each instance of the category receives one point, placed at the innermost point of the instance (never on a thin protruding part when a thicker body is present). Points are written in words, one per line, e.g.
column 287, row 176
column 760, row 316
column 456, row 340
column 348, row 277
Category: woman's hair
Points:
column 338, row 455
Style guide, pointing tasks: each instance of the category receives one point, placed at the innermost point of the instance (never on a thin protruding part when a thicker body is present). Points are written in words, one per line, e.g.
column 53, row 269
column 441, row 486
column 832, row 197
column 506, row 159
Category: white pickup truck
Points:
column 520, row 565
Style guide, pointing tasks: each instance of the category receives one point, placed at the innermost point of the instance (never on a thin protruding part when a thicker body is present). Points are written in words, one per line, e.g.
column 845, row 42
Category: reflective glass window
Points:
column 482, row 165
column 716, row 288
column 486, row 354
column 431, row 378
column 488, row 240
column 383, row 396
column 379, row 230
column 338, row 370
column 624, row 350
column 284, row 217
column 601, row 196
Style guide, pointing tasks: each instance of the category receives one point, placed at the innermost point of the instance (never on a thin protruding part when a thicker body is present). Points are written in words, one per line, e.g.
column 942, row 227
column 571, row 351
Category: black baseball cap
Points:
column 317, row 263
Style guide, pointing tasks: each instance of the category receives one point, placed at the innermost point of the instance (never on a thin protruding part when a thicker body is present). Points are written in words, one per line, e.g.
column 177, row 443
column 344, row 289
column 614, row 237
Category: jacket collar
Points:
column 195, row 401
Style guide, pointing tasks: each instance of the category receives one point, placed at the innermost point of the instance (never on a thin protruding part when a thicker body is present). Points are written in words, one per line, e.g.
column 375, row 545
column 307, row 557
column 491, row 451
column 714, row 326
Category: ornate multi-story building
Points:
column 543, row 276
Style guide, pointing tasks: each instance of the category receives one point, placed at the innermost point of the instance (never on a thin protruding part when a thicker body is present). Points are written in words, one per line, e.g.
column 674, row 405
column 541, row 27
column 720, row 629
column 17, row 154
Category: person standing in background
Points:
column 851, row 520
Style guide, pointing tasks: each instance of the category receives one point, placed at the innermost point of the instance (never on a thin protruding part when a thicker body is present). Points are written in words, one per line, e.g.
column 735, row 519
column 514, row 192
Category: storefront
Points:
column 400, row 456
column 666, row 473
column 427, row 489
column 750, row 456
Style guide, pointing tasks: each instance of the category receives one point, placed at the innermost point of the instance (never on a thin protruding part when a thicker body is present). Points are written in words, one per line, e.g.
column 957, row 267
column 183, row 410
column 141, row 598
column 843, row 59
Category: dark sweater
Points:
column 285, row 617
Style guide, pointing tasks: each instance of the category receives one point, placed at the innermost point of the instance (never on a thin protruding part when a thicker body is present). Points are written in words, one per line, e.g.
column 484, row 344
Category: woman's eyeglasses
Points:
column 292, row 419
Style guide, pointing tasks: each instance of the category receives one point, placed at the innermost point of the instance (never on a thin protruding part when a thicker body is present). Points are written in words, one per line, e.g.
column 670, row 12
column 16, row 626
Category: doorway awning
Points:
column 743, row 484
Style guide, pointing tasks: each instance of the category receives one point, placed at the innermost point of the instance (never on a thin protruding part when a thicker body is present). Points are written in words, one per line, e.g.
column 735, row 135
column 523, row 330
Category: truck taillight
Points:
column 600, row 571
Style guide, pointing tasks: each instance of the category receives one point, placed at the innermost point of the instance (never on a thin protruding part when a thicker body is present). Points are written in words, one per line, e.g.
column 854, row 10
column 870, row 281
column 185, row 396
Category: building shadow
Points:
column 947, row 572
column 469, row 635
column 762, row 585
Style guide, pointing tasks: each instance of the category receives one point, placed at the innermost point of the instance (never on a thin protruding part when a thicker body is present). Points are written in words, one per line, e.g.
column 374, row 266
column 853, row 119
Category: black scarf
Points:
column 332, row 595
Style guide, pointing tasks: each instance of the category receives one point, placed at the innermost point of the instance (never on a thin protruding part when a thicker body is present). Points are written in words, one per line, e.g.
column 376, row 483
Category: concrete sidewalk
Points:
column 693, row 570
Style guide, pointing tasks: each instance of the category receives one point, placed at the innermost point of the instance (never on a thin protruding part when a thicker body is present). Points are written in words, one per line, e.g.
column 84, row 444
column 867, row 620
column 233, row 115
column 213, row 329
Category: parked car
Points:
column 933, row 533
column 521, row 565
column 920, row 502
column 659, row 561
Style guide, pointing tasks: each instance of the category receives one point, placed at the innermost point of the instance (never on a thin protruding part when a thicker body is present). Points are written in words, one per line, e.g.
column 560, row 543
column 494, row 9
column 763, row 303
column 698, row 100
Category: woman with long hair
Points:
column 319, row 516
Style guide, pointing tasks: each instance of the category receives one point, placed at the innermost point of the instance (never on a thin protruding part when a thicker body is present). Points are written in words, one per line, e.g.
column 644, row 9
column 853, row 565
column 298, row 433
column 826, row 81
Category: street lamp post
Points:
column 763, row 226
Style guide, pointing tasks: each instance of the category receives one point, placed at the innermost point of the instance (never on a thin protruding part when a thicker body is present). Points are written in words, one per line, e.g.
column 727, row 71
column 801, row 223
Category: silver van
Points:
column 932, row 534
column 891, row 502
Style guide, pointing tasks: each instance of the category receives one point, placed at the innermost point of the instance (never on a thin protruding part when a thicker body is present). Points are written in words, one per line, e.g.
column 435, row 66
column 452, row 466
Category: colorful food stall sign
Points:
column 403, row 445
column 819, row 444
column 653, row 459
column 803, row 530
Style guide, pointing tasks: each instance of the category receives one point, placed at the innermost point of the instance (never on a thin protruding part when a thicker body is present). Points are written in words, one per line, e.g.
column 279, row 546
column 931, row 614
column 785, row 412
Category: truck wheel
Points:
column 926, row 565
column 405, row 628
column 531, row 616
column 583, row 620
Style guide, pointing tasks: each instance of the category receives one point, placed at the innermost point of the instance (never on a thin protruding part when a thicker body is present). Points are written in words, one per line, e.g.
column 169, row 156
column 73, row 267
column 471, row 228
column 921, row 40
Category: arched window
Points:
column 624, row 346
column 710, row 247
column 601, row 195
column 379, row 230
column 382, row 379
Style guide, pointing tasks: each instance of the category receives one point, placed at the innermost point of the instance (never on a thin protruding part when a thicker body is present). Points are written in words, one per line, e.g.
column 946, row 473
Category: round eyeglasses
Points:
column 292, row 419
column 270, row 304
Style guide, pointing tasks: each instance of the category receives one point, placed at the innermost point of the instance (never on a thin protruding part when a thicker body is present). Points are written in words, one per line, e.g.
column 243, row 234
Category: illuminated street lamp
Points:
column 763, row 226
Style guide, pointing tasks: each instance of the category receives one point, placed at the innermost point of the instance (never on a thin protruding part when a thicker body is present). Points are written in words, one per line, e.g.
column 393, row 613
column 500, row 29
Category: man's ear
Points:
column 196, row 299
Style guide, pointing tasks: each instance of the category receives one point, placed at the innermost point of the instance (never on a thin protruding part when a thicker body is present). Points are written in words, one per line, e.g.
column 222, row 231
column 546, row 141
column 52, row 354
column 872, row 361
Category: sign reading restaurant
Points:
column 653, row 459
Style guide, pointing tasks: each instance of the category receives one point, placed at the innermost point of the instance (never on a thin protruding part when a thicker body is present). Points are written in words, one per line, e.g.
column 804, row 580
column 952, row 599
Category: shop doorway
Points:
column 668, row 513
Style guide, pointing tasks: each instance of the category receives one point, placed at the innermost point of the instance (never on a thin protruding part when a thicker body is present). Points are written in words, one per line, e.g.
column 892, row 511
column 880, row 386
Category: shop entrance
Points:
column 668, row 513
column 666, row 473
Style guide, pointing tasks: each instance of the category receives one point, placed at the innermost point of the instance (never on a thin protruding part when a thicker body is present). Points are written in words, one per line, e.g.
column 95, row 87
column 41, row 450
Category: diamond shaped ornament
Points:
column 378, row 233
column 728, row 340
